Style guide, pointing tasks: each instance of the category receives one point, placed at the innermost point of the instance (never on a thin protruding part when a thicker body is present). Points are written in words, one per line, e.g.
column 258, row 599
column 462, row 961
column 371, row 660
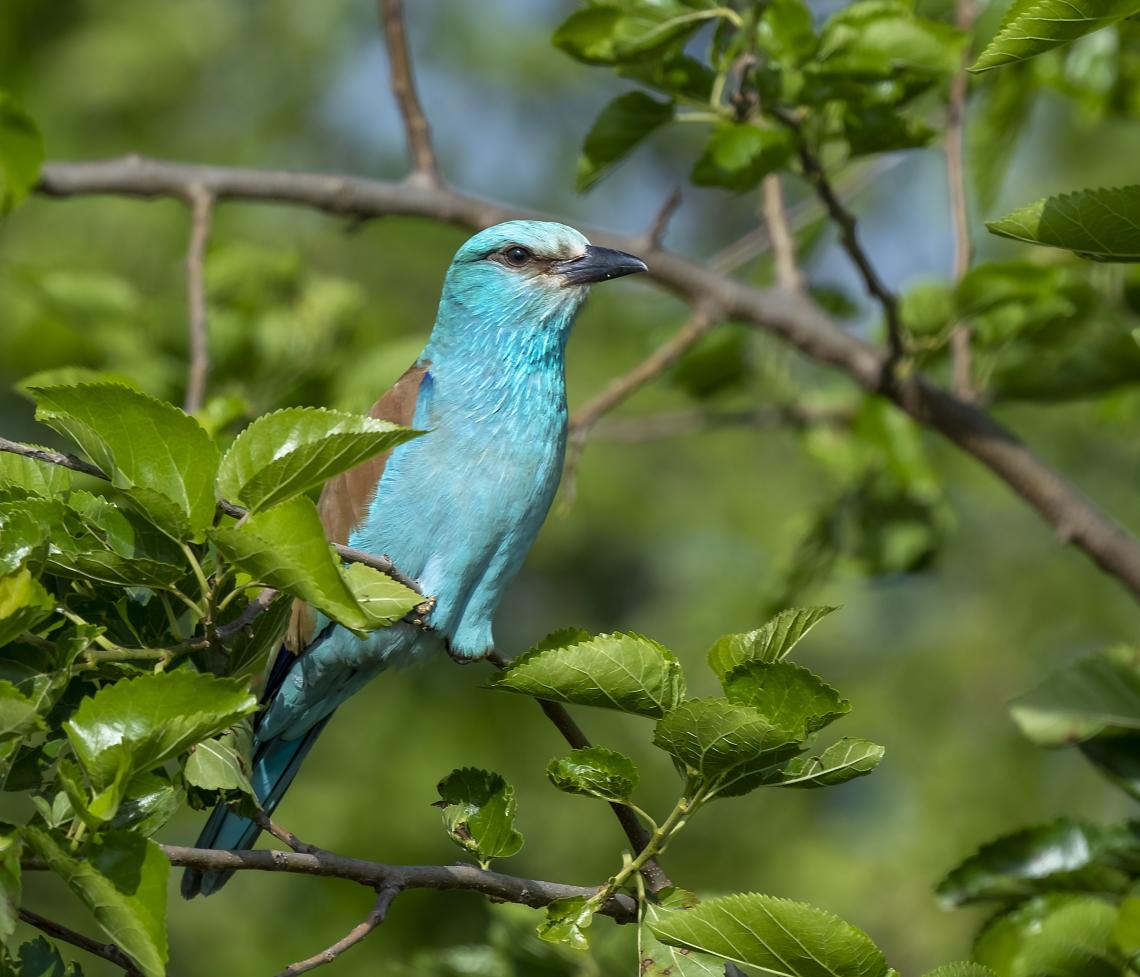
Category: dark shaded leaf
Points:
column 625, row 122
column 738, row 156
column 479, row 813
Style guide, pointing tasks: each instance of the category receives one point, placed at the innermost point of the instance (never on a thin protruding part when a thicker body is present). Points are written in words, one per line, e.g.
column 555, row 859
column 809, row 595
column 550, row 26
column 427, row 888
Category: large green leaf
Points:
column 770, row 643
column 152, row 718
column 21, row 153
column 787, row 695
column 23, row 536
column 716, row 736
column 37, row 477
column 842, row 761
column 660, row 960
column 1095, row 695
column 290, row 451
column 479, row 813
column 218, row 764
column 960, row 969
column 122, row 881
column 627, row 672
column 1059, row 934
column 880, row 39
column 595, row 771
column 23, row 604
column 1063, row 854
column 779, row 936
column 632, row 30
column 382, row 599
column 149, row 801
column 1031, row 27
column 625, row 122
column 738, row 156
column 286, row 548
column 1100, row 224
column 162, row 456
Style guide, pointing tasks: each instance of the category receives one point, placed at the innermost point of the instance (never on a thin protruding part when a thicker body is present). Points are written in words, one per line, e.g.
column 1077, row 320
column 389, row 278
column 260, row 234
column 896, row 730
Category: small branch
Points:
column 703, row 318
column 425, row 169
column 286, row 837
column 635, row 831
column 788, row 274
column 347, row 553
column 202, row 210
column 845, row 221
column 655, row 233
column 355, row 935
column 107, row 951
column 960, row 337
column 673, row 424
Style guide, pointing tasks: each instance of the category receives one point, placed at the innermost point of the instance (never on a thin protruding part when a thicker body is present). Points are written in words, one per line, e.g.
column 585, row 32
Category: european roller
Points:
column 456, row 509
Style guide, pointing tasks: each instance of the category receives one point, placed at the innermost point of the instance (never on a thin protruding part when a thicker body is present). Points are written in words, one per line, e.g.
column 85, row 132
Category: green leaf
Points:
column 995, row 127
column 738, row 156
column 1032, row 27
column 787, row 31
column 286, row 548
column 23, row 604
column 659, row 960
column 1117, row 756
column 1094, row 695
column 566, row 922
column 677, row 75
column 1126, row 932
column 626, row 672
column 122, row 881
column 382, row 599
column 479, row 813
column 216, row 764
column 881, row 129
column 842, row 761
column 787, row 695
column 18, row 715
column 633, row 30
column 38, row 477
column 160, row 455
column 771, row 643
column 1099, row 224
column 963, row 969
column 151, row 719
column 11, row 846
column 787, row 938
column 21, row 153
column 1058, row 934
column 251, row 647
column 625, row 122
column 1063, row 854
column 150, row 800
column 291, row 451
column 596, row 772
column 881, row 39
column 39, row 958
column 715, row 736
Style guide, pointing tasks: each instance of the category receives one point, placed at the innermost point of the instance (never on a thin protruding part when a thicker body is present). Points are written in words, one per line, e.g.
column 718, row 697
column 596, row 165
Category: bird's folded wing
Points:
column 345, row 499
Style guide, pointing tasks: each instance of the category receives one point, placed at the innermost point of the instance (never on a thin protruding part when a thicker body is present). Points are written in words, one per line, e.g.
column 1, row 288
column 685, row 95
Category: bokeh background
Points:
column 948, row 610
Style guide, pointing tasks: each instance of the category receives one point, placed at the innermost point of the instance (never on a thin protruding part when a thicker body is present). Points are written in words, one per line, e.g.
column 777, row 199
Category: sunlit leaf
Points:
column 770, row 643
column 787, row 695
column 1031, row 27
column 595, row 771
column 479, row 813
column 567, row 921
column 1100, row 224
column 738, row 156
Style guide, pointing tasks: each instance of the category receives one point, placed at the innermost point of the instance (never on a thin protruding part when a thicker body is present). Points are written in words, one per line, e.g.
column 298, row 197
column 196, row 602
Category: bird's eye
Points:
column 517, row 255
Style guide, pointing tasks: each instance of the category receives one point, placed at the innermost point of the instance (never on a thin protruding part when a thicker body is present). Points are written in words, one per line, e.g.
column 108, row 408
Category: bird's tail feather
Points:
column 275, row 764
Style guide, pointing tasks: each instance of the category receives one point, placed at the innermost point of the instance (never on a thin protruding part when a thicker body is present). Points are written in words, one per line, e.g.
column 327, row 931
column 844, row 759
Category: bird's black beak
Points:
column 598, row 265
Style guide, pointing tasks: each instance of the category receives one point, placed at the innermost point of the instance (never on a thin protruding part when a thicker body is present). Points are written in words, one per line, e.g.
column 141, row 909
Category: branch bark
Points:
column 794, row 319
column 788, row 274
column 425, row 169
column 106, row 951
column 355, row 935
column 202, row 210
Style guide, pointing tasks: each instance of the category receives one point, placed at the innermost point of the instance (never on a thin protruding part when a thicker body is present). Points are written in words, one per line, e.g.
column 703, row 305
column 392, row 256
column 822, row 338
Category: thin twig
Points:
column 702, row 319
column 424, row 166
column 285, row 836
column 788, row 274
column 793, row 319
column 202, row 210
column 848, row 237
column 681, row 423
column 635, row 831
column 107, row 951
column 358, row 933
column 655, row 233
column 347, row 553
column 961, row 335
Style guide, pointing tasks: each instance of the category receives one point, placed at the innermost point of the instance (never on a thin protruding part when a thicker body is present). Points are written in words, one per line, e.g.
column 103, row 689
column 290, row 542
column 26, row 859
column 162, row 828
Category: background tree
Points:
column 955, row 596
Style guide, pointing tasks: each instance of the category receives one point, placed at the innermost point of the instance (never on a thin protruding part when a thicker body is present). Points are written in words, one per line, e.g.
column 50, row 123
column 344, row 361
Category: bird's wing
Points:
column 345, row 499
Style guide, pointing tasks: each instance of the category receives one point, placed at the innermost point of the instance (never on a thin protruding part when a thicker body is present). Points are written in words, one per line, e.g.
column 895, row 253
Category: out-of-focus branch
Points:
column 107, row 951
column 794, row 319
column 424, row 166
column 201, row 211
column 358, row 933
column 960, row 337
column 788, row 274
column 681, row 423
column 655, row 233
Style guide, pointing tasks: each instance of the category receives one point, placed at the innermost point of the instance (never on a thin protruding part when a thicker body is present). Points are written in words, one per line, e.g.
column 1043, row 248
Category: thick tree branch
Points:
column 416, row 128
column 792, row 318
column 107, row 951
column 202, row 210
column 960, row 337
column 359, row 932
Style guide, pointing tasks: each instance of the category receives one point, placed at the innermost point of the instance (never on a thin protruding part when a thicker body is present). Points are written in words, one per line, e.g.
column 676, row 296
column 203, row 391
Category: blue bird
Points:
column 458, row 508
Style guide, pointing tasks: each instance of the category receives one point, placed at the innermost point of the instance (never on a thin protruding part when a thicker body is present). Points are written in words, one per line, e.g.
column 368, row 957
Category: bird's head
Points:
column 527, row 273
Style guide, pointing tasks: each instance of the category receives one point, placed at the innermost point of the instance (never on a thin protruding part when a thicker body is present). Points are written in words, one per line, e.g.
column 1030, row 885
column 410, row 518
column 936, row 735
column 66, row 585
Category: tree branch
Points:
column 794, row 319
column 960, row 337
column 107, row 951
column 673, row 424
column 355, row 935
column 788, row 274
column 425, row 169
column 202, row 209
